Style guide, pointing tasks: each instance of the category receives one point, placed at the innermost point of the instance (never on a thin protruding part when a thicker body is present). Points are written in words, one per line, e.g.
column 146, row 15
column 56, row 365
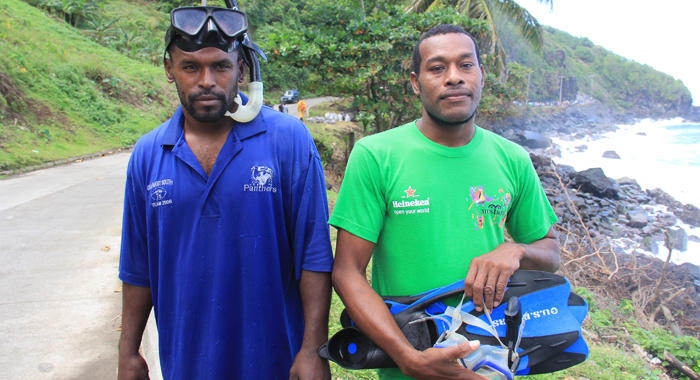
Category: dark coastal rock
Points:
column 566, row 170
column 581, row 148
column 678, row 239
column 641, row 133
column 689, row 214
column 626, row 181
column 691, row 270
column 664, row 198
column 539, row 161
column 666, row 220
column 637, row 218
column 533, row 140
column 611, row 154
column 510, row 135
column 686, row 273
column 595, row 182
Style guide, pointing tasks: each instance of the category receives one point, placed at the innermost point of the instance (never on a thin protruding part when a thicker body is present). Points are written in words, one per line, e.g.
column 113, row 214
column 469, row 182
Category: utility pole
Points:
column 591, row 86
column 561, row 88
column 527, row 93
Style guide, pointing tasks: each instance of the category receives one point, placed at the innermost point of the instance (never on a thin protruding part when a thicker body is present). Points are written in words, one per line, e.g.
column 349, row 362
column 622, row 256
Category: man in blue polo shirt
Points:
column 224, row 230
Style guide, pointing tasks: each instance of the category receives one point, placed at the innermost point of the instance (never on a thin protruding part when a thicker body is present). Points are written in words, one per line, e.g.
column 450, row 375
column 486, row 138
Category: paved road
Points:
column 58, row 305
column 292, row 107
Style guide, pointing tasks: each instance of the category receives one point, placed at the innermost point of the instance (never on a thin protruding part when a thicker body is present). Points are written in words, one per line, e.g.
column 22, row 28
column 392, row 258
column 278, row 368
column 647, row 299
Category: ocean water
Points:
column 658, row 154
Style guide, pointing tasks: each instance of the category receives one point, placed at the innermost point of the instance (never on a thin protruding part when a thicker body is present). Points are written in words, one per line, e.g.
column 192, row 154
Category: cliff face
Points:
column 692, row 115
column 569, row 67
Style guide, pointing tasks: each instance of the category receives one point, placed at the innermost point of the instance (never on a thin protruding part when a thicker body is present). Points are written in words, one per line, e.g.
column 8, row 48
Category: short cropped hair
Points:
column 437, row 31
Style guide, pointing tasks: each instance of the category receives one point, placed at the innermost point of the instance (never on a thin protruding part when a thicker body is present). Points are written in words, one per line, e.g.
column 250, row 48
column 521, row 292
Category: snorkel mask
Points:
column 196, row 28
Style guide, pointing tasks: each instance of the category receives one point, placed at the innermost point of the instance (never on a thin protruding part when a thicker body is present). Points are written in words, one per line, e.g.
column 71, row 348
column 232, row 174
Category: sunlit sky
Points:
column 660, row 34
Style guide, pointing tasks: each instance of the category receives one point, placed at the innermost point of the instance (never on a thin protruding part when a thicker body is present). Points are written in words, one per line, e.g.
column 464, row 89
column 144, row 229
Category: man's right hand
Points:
column 441, row 363
column 136, row 307
column 132, row 367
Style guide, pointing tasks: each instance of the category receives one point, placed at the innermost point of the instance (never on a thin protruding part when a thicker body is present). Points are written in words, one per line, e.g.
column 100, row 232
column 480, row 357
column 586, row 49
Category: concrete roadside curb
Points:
column 45, row 165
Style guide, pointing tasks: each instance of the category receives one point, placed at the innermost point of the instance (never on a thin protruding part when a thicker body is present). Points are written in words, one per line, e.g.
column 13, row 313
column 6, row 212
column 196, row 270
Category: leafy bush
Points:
column 686, row 349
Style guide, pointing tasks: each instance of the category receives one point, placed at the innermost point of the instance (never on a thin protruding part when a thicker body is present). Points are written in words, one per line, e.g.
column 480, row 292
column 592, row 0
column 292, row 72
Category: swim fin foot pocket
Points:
column 549, row 337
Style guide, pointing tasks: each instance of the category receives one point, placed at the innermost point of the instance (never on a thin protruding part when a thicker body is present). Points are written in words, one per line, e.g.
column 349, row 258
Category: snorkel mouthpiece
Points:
column 247, row 112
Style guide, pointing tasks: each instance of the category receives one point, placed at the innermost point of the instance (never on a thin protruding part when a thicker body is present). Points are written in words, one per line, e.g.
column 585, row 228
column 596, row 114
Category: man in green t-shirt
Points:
column 429, row 202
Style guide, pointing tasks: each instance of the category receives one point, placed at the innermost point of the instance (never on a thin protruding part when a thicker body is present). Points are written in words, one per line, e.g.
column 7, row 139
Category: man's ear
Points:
column 168, row 65
column 483, row 76
column 415, row 84
column 241, row 71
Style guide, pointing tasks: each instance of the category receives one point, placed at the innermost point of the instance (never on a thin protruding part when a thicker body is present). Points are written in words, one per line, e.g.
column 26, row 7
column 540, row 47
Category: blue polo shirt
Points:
column 223, row 254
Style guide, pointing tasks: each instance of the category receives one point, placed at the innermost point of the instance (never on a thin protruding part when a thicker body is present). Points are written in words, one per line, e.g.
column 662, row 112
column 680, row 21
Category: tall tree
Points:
column 484, row 10
column 368, row 57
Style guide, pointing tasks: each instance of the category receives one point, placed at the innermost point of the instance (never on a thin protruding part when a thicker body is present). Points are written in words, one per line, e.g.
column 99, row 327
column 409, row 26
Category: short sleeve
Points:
column 312, row 241
column 133, row 262
column 361, row 205
column 531, row 215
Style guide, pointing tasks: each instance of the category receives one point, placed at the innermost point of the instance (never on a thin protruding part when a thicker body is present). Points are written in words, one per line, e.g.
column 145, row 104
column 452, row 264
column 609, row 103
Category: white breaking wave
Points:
column 658, row 154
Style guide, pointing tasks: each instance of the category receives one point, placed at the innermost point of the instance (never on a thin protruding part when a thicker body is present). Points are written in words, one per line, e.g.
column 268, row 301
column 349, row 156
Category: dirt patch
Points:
column 15, row 104
column 116, row 88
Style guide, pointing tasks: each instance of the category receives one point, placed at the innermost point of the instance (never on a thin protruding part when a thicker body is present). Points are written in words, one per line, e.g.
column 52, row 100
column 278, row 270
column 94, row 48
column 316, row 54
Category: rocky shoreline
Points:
column 617, row 211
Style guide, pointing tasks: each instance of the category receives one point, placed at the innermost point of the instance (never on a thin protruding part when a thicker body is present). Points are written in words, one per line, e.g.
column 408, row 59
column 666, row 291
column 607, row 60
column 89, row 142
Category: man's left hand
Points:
column 308, row 365
column 489, row 273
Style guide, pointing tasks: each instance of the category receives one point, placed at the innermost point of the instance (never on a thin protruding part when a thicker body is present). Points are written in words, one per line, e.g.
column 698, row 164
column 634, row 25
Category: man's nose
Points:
column 207, row 79
column 453, row 76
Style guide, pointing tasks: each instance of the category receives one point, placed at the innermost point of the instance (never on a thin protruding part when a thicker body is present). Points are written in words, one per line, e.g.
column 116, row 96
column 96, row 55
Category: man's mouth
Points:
column 455, row 94
column 207, row 100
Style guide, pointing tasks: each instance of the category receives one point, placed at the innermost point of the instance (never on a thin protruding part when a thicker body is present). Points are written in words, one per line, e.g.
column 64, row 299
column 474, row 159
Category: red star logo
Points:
column 409, row 192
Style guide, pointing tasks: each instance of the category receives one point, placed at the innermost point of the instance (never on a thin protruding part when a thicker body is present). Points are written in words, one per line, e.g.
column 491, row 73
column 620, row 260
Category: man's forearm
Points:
column 369, row 312
column 315, row 290
column 316, row 302
column 366, row 307
column 542, row 254
column 136, row 307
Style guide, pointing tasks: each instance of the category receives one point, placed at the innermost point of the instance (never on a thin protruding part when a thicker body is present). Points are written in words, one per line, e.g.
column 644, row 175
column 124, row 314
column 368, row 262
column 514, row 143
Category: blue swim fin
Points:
column 552, row 325
column 575, row 354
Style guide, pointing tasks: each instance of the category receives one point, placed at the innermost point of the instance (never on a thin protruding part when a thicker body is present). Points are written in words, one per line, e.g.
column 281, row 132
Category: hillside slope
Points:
column 64, row 95
column 620, row 83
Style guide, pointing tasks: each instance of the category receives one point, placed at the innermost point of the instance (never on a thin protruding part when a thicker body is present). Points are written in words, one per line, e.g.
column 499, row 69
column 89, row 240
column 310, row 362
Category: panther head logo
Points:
column 261, row 175
column 158, row 193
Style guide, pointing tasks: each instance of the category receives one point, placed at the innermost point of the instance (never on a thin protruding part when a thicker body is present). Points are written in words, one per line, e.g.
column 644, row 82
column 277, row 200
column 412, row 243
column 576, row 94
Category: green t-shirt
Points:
column 430, row 209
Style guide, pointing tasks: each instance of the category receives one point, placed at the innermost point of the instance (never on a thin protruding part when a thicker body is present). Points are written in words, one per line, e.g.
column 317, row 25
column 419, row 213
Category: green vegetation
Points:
column 485, row 10
column 270, row 17
column 616, row 81
column 80, row 76
column 367, row 57
column 686, row 349
column 64, row 95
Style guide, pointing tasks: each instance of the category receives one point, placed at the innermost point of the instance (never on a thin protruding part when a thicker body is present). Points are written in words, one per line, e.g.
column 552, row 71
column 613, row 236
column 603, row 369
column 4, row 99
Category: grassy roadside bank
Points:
column 63, row 95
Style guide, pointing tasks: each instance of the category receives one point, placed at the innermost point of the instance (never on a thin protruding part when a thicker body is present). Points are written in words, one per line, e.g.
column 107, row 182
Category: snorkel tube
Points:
column 247, row 112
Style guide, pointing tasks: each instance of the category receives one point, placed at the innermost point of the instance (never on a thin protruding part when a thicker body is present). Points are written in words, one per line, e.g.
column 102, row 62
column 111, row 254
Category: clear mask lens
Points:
column 190, row 20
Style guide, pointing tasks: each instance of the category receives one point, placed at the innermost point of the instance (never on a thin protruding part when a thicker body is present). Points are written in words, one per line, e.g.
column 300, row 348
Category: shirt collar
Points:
column 243, row 130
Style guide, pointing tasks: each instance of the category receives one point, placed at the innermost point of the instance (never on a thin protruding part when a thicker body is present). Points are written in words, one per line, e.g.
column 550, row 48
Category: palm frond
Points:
column 422, row 6
column 522, row 19
column 483, row 10
column 418, row 6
